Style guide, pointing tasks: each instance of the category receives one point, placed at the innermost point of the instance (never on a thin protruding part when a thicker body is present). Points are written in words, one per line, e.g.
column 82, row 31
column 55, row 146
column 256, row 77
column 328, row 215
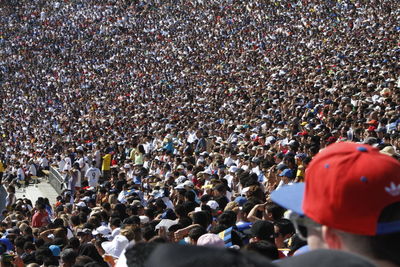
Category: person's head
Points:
column 284, row 229
column 262, row 230
column 350, row 201
column 84, row 235
column 11, row 189
column 264, row 248
column 195, row 233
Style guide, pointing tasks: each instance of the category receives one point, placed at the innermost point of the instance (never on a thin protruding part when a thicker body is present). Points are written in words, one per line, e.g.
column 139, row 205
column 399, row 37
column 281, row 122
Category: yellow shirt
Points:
column 132, row 155
column 1, row 166
column 139, row 158
column 106, row 162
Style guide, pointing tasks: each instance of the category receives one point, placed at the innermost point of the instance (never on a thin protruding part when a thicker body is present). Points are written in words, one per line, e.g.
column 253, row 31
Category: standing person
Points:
column 106, row 165
column 75, row 179
column 93, row 174
column 139, row 155
column 350, row 201
column 2, row 169
column 41, row 217
column 11, row 198
column 20, row 175
column 44, row 162
column 32, row 171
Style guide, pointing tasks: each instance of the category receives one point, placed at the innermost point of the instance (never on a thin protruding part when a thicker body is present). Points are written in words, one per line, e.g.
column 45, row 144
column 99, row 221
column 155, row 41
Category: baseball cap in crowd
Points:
column 102, row 230
column 168, row 214
column 166, row 223
column 347, row 187
column 373, row 122
column 55, row 250
column 287, row 173
column 144, row 219
column 84, row 231
column 233, row 169
column 389, row 150
column 81, row 204
column 212, row 240
column 281, row 166
column 188, row 184
column 301, row 156
column 241, row 200
column 213, row 204
column 263, row 230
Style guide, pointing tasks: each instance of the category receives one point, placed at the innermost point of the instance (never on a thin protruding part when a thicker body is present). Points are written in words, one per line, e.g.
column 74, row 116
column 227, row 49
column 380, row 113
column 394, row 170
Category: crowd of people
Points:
column 173, row 121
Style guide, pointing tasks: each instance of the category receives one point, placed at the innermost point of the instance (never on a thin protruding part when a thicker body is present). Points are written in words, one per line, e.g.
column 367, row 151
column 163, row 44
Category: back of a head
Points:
column 325, row 258
column 68, row 256
column 138, row 254
column 264, row 248
column 173, row 255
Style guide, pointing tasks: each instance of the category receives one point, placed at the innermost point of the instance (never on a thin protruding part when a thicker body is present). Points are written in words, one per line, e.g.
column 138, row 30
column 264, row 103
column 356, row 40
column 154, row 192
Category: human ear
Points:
column 331, row 238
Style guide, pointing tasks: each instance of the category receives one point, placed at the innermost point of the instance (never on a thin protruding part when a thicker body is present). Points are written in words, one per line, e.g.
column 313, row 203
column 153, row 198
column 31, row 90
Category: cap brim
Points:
column 290, row 197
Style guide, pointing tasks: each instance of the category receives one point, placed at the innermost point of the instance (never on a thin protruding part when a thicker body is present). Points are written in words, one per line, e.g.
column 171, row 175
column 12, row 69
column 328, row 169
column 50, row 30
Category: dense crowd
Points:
column 173, row 121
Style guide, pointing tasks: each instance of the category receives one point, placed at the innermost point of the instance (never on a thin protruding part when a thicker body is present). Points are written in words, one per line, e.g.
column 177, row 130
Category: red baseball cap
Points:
column 373, row 122
column 347, row 186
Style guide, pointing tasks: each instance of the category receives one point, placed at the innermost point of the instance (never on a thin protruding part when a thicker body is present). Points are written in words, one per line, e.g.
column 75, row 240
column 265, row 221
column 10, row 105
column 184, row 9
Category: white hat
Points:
column 127, row 166
column 180, row 167
column 102, row 230
column 180, row 186
column 207, row 171
column 144, row 219
column 116, row 246
column 233, row 169
column 213, row 204
column 81, row 204
column 167, row 223
column 188, row 183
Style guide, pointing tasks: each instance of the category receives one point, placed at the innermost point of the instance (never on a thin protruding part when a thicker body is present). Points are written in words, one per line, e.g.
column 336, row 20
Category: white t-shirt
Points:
column 93, row 174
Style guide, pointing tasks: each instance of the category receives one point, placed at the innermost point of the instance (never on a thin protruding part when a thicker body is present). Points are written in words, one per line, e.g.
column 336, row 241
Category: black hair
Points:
column 148, row 232
column 137, row 255
column 264, row 248
column 227, row 218
column 285, row 227
column 115, row 222
column 180, row 210
column 190, row 196
column 201, row 218
column 275, row 210
column 196, row 232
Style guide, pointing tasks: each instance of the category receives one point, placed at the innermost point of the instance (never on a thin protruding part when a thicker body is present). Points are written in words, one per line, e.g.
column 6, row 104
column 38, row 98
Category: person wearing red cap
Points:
column 350, row 201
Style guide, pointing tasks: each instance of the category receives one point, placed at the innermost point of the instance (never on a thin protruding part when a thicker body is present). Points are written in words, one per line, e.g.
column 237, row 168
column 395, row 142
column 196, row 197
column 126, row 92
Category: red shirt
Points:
column 40, row 219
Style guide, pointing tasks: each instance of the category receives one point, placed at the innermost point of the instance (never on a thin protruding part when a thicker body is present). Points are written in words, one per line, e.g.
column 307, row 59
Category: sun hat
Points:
column 116, row 246
column 347, row 186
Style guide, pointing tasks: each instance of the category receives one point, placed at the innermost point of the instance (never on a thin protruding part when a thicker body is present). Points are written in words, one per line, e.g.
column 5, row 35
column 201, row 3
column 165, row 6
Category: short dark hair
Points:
column 285, row 227
column 264, row 248
column 115, row 222
column 68, row 255
column 196, row 232
column 275, row 210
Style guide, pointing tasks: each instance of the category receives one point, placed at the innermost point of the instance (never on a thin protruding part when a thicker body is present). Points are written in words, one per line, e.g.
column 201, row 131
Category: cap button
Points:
column 362, row 149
